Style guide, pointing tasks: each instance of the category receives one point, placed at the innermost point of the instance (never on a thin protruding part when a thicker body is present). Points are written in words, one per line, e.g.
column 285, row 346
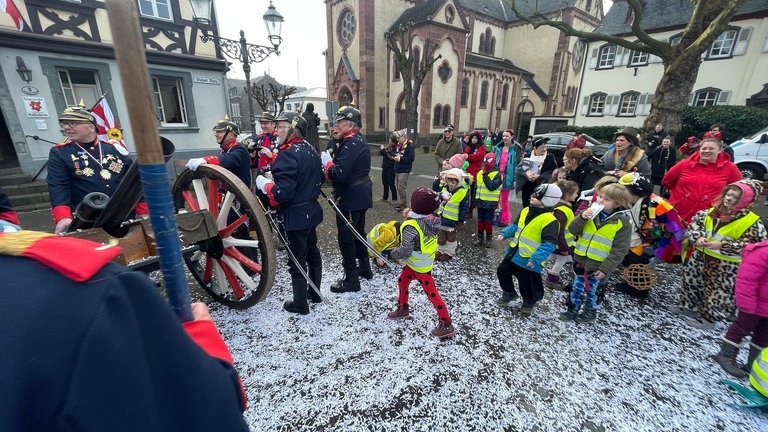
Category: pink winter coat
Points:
column 752, row 280
column 693, row 185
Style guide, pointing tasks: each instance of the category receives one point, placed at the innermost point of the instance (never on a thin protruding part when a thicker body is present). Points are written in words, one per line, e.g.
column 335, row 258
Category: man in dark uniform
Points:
column 82, row 165
column 232, row 156
column 89, row 345
column 296, row 179
column 349, row 170
column 263, row 149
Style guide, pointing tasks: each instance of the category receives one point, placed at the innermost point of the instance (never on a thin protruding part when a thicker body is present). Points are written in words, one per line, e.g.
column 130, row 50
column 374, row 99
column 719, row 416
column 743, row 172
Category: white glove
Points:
column 325, row 157
column 445, row 195
column 262, row 182
column 193, row 164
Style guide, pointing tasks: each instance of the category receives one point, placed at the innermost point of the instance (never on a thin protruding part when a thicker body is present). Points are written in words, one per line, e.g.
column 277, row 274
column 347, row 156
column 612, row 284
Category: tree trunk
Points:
column 673, row 92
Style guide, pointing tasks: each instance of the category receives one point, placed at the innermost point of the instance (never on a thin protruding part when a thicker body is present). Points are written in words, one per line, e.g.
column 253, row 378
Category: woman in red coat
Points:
column 695, row 182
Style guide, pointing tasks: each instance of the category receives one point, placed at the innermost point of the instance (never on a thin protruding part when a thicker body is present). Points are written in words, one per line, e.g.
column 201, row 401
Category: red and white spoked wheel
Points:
column 237, row 267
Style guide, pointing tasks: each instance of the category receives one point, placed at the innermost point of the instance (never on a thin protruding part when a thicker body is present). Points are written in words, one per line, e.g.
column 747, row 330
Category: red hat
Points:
column 424, row 201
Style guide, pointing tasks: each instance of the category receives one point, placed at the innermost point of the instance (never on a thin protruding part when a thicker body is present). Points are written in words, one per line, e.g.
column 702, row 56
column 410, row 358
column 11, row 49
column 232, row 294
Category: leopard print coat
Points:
column 708, row 283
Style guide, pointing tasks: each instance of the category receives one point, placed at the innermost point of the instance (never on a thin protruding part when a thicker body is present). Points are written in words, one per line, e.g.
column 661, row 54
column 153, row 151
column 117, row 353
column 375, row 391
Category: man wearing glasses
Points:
column 81, row 165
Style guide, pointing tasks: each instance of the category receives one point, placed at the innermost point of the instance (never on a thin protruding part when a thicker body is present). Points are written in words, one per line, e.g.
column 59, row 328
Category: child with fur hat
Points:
column 453, row 211
column 488, row 182
column 533, row 238
column 603, row 232
column 719, row 235
column 418, row 242
column 456, row 161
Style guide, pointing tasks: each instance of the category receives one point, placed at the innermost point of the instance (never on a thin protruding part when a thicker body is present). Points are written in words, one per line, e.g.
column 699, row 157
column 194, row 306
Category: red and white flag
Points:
column 8, row 7
column 109, row 130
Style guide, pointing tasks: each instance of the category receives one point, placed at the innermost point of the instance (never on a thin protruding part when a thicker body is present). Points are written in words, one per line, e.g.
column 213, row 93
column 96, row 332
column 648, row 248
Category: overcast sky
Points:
column 301, row 62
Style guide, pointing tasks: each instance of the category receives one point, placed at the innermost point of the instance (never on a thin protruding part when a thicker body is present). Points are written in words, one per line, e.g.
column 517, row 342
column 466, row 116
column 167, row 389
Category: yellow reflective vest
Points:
column 528, row 235
column 568, row 212
column 731, row 231
column 595, row 243
column 420, row 261
column 485, row 194
column 759, row 375
column 450, row 208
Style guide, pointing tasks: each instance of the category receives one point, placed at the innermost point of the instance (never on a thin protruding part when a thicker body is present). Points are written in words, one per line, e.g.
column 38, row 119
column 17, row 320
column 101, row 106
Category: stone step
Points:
column 26, row 188
column 32, row 207
column 13, row 179
column 27, row 199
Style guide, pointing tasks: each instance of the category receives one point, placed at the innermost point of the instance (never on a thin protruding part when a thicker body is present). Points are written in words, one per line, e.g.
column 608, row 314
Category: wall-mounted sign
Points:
column 36, row 107
column 29, row 90
column 202, row 80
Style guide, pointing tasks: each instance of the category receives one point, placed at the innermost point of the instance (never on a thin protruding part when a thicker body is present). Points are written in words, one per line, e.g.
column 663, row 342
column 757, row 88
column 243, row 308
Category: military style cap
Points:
column 266, row 116
column 349, row 113
column 78, row 113
column 226, row 125
column 297, row 122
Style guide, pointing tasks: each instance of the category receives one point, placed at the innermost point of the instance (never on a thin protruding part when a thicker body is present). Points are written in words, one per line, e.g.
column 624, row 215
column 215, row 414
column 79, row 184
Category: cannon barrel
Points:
column 126, row 196
column 88, row 211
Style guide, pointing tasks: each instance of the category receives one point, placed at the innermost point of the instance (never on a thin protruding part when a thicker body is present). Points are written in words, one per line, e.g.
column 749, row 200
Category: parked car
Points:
column 751, row 155
column 559, row 140
column 483, row 131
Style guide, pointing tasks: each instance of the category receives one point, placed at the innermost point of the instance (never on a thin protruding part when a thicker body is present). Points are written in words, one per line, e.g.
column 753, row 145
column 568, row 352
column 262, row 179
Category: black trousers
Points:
column 388, row 180
column 303, row 245
column 530, row 283
column 350, row 247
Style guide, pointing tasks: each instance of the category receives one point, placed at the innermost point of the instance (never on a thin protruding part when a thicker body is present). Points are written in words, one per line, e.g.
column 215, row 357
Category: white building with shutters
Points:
column 618, row 84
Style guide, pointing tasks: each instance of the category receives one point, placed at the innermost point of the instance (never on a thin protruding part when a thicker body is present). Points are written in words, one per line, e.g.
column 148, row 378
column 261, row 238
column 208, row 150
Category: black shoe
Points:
column 313, row 297
column 364, row 268
column 343, row 286
column 294, row 307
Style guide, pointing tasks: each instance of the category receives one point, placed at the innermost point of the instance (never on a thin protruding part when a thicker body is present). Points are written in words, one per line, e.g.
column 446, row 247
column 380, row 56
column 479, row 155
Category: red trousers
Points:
column 428, row 284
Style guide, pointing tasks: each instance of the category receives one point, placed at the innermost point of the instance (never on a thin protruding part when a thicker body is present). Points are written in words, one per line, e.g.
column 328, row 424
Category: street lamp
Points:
column 240, row 49
column 524, row 93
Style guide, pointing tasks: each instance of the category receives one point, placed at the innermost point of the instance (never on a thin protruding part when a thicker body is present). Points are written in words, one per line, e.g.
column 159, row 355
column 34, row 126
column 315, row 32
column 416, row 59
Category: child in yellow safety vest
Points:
column 418, row 242
column 604, row 231
column 534, row 236
column 564, row 214
column 488, row 182
column 453, row 212
column 384, row 237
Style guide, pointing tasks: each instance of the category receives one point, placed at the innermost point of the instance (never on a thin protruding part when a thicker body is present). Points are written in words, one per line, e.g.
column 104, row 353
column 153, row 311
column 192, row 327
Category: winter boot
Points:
column 316, row 275
column 506, row 298
column 480, row 239
column 488, row 240
column 726, row 358
column 364, row 268
column 299, row 303
column 571, row 313
column 402, row 312
column 526, row 308
column 553, row 281
column 350, row 283
column 588, row 314
column 444, row 330
column 754, row 352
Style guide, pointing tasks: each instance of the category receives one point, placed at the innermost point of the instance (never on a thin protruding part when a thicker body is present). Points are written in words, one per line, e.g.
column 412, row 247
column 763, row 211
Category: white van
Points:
column 751, row 155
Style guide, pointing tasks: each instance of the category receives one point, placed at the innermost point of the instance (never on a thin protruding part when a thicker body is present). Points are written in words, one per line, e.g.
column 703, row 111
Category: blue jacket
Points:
column 493, row 184
column 509, row 179
column 548, row 241
column 298, row 175
column 407, row 155
column 75, row 170
column 237, row 160
column 104, row 354
column 350, row 173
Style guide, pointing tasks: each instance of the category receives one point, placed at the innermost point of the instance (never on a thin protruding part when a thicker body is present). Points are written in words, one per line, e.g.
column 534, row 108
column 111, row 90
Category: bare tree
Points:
column 400, row 42
column 261, row 95
column 681, row 60
column 280, row 93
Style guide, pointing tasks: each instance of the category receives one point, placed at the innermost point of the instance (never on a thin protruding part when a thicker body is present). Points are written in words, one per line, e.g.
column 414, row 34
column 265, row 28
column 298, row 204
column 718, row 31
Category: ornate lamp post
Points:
column 240, row 49
column 524, row 93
